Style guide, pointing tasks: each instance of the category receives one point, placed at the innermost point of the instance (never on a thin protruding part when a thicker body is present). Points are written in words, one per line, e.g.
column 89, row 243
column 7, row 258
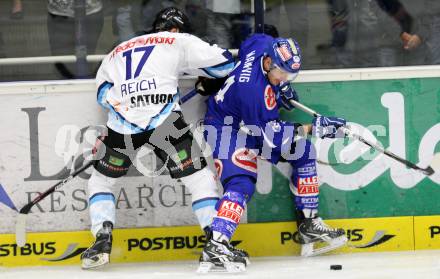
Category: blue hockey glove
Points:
column 327, row 127
column 285, row 93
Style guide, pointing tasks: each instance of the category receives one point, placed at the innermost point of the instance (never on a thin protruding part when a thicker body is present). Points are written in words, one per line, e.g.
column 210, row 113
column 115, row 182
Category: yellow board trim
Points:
column 185, row 243
column 427, row 230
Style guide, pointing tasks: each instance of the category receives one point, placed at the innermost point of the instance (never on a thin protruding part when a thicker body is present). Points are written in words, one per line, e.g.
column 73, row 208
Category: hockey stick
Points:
column 326, row 163
column 188, row 96
column 20, row 226
column 427, row 171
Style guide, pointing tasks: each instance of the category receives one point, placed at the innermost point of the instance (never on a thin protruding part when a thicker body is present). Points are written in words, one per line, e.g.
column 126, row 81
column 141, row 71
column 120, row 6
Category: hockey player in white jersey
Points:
column 137, row 84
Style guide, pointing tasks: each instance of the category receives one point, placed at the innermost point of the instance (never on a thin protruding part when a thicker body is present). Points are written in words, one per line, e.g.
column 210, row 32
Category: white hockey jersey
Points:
column 138, row 81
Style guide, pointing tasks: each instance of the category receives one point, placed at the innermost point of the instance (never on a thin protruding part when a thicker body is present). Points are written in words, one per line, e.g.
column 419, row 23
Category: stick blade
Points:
column 20, row 230
column 435, row 163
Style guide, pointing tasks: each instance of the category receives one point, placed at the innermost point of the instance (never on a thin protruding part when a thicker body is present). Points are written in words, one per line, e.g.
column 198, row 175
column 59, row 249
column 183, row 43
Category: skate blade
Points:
column 307, row 250
column 207, row 267
column 103, row 259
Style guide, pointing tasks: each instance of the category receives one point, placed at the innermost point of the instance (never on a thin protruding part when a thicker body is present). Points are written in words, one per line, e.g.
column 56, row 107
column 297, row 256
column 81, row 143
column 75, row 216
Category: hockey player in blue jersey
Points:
column 242, row 124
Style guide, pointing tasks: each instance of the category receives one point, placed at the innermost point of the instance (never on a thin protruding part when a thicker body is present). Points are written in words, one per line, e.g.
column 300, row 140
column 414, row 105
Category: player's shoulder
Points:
column 249, row 71
column 160, row 38
column 180, row 36
column 256, row 43
column 248, row 89
column 259, row 37
column 186, row 40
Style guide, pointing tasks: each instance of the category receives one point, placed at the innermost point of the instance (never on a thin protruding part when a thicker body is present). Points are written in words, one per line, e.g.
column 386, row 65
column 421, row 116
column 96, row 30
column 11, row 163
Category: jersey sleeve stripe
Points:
column 102, row 93
column 228, row 55
column 220, row 70
column 101, row 96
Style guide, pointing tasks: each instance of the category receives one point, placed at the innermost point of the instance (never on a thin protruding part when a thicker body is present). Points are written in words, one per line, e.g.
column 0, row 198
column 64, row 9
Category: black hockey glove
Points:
column 209, row 86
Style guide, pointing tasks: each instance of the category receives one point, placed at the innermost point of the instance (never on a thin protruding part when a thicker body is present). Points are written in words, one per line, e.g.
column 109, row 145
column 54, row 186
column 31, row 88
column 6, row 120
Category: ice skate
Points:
column 241, row 252
column 222, row 257
column 98, row 254
column 313, row 231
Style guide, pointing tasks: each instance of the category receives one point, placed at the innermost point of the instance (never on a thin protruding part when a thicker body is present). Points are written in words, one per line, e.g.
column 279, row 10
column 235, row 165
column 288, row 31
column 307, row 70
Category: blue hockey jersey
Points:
column 247, row 95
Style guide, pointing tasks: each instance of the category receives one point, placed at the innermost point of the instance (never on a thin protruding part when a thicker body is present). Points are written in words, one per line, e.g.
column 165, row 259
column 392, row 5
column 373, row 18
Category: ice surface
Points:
column 384, row 265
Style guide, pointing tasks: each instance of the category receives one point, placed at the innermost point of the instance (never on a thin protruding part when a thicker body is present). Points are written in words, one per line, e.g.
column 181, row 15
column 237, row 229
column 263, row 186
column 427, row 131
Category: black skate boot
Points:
column 241, row 252
column 314, row 230
column 98, row 254
column 222, row 257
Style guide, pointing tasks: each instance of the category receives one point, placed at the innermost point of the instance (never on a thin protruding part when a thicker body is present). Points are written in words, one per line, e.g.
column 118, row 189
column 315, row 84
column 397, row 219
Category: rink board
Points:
column 397, row 107
column 185, row 243
column 402, row 114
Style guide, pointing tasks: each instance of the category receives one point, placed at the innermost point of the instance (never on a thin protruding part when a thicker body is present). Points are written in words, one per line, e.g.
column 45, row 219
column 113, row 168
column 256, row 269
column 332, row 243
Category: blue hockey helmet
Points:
column 286, row 55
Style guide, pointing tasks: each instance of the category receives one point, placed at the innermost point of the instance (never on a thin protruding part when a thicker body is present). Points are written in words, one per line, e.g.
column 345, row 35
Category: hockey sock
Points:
column 230, row 209
column 306, row 189
column 203, row 189
column 101, row 200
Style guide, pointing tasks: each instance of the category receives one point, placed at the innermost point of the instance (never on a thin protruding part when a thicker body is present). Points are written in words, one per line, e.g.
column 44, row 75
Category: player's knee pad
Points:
column 185, row 158
column 240, row 184
column 112, row 163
